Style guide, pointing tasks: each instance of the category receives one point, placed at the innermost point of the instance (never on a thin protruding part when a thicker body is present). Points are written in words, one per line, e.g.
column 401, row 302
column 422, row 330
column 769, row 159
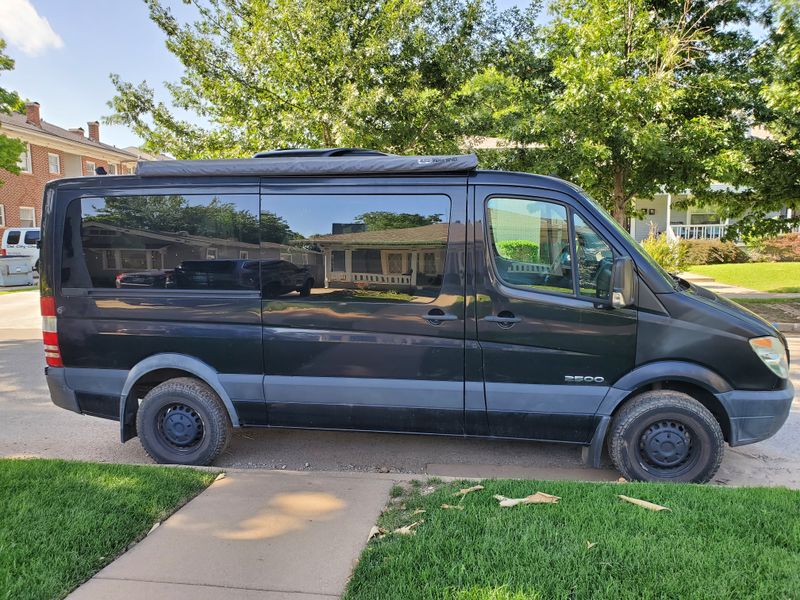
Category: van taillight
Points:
column 52, row 353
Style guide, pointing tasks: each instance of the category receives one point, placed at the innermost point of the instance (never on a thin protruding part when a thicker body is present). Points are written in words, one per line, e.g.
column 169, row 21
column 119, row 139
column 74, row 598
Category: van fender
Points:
column 672, row 370
column 127, row 411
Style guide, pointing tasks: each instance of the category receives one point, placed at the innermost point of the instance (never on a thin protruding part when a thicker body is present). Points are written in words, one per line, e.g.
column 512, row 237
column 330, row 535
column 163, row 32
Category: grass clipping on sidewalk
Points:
column 712, row 542
column 60, row 521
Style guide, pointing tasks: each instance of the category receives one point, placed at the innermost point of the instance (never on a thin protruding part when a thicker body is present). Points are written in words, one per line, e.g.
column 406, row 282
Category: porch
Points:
column 689, row 223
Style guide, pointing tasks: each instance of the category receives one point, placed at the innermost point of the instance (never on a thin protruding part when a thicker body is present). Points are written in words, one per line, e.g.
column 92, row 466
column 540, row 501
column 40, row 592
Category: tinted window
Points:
column 13, row 237
column 530, row 243
column 378, row 248
column 595, row 260
column 31, row 237
column 189, row 242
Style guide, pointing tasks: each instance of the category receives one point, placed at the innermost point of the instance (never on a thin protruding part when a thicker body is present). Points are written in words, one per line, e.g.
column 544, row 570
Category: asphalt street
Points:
column 31, row 426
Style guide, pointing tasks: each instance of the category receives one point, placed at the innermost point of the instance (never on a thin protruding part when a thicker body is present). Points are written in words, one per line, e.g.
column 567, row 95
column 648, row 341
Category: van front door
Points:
column 550, row 342
column 371, row 335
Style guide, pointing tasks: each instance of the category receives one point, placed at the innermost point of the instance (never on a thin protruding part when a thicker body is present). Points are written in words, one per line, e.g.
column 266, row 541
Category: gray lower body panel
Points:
column 756, row 416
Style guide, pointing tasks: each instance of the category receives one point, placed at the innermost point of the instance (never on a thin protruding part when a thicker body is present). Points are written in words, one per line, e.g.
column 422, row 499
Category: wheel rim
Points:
column 668, row 448
column 180, row 426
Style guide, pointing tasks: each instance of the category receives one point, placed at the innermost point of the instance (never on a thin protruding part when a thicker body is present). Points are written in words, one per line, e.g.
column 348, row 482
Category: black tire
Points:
column 183, row 421
column 306, row 289
column 665, row 435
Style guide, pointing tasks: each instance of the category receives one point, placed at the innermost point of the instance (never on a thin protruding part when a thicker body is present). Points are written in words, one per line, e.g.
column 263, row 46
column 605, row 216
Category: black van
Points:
column 360, row 291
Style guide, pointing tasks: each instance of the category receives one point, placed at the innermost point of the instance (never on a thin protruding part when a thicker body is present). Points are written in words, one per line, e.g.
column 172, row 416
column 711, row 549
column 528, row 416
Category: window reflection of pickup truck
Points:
column 278, row 277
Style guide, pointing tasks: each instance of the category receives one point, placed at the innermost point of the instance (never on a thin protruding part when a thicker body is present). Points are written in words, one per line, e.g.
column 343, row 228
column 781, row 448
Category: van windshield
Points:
column 635, row 246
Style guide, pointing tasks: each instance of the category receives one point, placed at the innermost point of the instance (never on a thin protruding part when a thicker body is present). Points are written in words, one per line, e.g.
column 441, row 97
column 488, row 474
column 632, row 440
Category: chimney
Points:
column 94, row 131
column 77, row 131
column 32, row 114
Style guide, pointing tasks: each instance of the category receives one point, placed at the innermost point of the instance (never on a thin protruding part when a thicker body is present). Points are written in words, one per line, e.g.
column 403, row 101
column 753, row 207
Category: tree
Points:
column 627, row 98
column 767, row 178
column 10, row 148
column 286, row 73
column 379, row 220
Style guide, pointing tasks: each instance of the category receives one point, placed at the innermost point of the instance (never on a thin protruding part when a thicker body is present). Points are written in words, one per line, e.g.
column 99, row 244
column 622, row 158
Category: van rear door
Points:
column 550, row 342
column 369, row 332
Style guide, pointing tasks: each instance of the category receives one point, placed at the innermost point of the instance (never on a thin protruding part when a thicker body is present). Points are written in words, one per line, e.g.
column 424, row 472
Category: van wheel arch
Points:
column 155, row 370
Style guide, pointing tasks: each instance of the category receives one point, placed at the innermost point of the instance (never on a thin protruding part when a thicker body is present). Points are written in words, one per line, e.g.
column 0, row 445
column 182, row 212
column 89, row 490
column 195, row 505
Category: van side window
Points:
column 13, row 237
column 595, row 260
column 530, row 244
column 31, row 237
column 356, row 247
column 185, row 242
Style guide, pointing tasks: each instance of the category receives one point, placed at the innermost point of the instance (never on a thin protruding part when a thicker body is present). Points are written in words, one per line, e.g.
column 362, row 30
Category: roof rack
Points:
column 280, row 165
column 321, row 152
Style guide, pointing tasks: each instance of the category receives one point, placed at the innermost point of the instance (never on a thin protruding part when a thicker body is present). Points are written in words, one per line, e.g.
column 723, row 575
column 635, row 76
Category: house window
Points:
column 429, row 263
column 27, row 216
column 395, row 263
column 112, row 169
column 24, row 162
column 54, row 163
column 90, row 167
column 2, row 215
column 244, row 255
column 211, row 254
column 337, row 260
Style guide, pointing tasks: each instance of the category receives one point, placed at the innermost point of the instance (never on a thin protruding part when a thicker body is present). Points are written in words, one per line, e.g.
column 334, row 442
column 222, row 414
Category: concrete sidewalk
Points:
column 269, row 535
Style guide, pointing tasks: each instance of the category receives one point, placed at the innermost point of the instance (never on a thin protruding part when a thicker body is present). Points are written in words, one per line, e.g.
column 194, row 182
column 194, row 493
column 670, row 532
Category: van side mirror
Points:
column 623, row 280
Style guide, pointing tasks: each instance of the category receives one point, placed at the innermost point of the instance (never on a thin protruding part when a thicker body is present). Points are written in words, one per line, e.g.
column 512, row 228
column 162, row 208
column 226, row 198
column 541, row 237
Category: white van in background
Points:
column 22, row 241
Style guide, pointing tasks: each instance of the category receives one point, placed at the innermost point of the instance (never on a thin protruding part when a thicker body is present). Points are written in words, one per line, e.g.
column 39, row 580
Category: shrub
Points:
column 783, row 248
column 714, row 252
column 519, row 250
column 670, row 254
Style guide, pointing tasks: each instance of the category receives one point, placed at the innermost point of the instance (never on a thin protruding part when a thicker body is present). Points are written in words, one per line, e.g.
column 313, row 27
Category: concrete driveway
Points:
column 31, row 426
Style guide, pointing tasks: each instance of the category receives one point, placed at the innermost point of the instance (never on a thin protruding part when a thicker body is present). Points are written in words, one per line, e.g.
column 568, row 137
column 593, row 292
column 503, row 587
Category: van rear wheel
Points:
column 183, row 421
column 664, row 435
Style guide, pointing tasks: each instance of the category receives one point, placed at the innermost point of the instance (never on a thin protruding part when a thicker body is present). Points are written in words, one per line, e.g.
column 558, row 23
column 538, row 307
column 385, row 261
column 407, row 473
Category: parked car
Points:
column 22, row 241
column 409, row 323
column 279, row 277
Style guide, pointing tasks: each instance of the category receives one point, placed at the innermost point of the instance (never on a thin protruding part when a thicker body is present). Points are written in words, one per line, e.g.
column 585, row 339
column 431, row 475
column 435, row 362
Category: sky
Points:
column 66, row 49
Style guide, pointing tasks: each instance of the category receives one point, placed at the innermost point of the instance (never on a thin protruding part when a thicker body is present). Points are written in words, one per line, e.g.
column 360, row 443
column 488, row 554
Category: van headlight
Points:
column 772, row 353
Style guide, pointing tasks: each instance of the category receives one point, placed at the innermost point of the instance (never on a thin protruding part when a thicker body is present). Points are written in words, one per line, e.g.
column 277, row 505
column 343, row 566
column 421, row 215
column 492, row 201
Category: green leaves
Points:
column 275, row 73
column 10, row 148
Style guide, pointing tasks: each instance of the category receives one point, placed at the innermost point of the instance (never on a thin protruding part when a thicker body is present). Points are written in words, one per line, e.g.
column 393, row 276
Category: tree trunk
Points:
column 620, row 201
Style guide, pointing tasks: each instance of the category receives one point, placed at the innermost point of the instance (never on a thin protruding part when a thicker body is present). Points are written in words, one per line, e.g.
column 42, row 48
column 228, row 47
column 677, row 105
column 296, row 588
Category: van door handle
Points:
column 436, row 316
column 504, row 319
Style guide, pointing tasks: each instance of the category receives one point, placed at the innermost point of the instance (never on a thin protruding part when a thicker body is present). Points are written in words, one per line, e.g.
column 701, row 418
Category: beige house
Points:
column 395, row 258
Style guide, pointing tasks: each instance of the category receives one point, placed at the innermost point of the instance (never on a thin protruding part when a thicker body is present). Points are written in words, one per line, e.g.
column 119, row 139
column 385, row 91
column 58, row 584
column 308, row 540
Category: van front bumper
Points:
column 60, row 392
column 756, row 416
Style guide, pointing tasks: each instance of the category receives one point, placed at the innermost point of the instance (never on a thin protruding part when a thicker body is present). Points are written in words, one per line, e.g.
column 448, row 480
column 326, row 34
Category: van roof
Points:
column 278, row 165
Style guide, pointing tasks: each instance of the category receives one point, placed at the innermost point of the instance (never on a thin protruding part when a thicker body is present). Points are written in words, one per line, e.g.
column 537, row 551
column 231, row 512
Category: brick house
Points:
column 51, row 153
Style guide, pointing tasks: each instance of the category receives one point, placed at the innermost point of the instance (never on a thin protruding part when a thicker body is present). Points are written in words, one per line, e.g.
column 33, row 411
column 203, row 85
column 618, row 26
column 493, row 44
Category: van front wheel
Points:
column 664, row 435
column 183, row 421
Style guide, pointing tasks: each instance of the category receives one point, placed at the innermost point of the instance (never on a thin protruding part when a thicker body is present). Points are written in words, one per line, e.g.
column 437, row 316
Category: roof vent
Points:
column 320, row 152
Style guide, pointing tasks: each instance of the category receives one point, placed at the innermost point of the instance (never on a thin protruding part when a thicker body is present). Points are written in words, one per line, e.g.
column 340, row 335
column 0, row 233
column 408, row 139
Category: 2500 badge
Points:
column 583, row 379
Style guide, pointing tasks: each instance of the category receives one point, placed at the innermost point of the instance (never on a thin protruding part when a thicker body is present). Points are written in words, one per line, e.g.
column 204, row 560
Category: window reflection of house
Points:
column 412, row 257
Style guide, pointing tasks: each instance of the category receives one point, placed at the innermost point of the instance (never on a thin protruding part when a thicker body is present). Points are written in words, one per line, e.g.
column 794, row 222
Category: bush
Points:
column 670, row 254
column 714, row 252
column 519, row 250
column 783, row 248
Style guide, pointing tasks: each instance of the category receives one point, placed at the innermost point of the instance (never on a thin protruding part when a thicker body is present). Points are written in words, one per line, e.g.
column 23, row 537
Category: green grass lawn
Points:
column 715, row 543
column 766, row 277
column 61, row 521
